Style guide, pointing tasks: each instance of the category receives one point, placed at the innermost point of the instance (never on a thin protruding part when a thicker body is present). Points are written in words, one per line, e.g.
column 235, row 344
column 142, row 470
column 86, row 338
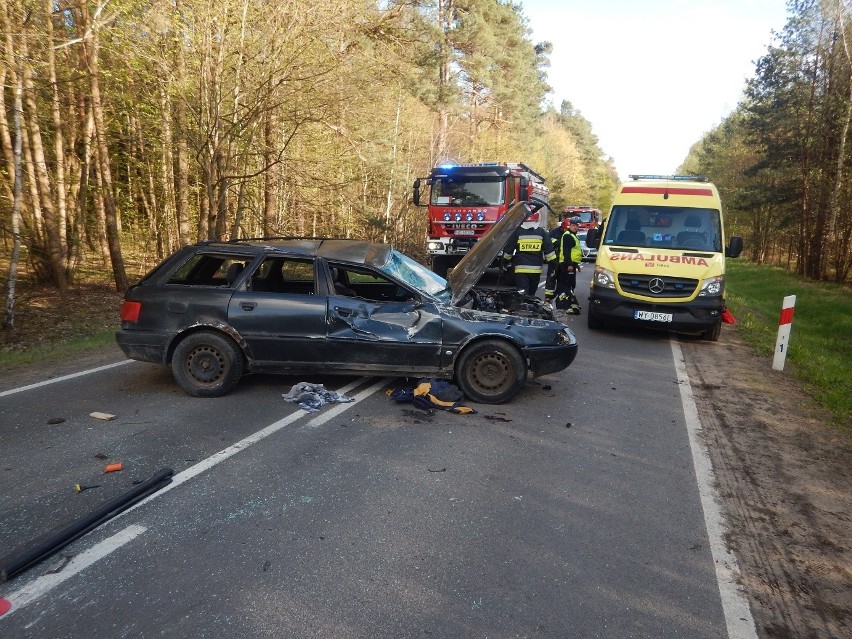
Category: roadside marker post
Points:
column 784, row 325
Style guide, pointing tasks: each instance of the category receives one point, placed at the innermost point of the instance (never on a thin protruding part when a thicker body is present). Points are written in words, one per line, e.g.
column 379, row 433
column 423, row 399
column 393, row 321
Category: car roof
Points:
column 353, row 251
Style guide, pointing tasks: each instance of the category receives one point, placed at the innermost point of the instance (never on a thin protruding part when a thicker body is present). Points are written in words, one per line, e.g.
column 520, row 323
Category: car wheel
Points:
column 593, row 321
column 491, row 372
column 207, row 364
column 713, row 334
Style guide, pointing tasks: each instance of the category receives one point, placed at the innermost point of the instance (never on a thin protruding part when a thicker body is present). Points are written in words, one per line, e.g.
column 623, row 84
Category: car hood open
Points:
column 471, row 267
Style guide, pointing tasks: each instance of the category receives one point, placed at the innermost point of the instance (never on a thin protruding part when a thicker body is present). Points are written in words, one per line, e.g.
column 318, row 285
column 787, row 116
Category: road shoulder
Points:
column 783, row 475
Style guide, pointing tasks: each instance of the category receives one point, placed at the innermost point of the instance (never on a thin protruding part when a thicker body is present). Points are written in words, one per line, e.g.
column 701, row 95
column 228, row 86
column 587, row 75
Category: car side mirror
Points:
column 416, row 192
column 593, row 238
column 735, row 247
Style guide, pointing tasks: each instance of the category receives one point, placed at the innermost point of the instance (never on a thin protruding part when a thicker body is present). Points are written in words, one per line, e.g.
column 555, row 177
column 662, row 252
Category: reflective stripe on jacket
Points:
column 571, row 248
column 530, row 248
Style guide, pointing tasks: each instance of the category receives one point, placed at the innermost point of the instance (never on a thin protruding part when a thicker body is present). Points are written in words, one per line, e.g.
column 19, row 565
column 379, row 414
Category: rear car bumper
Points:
column 145, row 346
column 696, row 316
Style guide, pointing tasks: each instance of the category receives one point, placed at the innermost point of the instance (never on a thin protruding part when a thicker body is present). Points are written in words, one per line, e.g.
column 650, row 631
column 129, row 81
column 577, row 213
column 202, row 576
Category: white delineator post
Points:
column 784, row 325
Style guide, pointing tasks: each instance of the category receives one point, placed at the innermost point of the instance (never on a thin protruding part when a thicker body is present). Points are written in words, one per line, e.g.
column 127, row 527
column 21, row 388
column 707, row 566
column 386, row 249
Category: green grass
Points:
column 820, row 346
column 60, row 349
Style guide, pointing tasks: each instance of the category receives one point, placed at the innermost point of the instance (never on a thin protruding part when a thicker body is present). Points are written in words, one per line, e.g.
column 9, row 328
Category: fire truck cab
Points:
column 465, row 200
column 590, row 217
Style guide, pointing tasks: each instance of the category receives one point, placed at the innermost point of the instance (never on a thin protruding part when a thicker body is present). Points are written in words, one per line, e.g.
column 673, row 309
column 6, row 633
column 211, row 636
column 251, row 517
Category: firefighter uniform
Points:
column 570, row 257
column 529, row 249
column 553, row 274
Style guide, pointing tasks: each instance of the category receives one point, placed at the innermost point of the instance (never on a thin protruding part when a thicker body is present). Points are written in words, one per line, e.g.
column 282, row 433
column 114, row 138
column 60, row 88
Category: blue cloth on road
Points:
column 312, row 397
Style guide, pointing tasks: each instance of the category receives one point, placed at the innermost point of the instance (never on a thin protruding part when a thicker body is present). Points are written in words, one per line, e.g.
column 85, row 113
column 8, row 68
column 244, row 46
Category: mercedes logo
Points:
column 656, row 285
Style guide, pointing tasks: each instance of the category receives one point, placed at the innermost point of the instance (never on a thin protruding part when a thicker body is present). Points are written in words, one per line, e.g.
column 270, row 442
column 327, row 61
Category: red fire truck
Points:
column 465, row 200
column 590, row 218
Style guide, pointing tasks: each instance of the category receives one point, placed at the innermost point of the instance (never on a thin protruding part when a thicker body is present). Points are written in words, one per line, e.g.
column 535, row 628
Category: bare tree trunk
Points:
column 445, row 14
column 270, row 177
column 53, row 236
column 111, row 213
column 181, row 158
column 17, row 189
column 58, row 145
column 834, row 206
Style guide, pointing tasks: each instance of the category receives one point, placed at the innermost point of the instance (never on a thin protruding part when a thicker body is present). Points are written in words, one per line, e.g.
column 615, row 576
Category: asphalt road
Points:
column 573, row 511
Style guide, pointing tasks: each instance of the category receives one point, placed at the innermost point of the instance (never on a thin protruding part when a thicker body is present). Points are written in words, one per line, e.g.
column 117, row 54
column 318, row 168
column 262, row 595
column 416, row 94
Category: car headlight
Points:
column 435, row 246
column 712, row 287
column 564, row 337
column 603, row 277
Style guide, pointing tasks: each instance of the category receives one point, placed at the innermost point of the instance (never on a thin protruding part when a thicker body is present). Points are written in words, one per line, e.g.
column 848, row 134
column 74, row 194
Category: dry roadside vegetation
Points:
column 45, row 319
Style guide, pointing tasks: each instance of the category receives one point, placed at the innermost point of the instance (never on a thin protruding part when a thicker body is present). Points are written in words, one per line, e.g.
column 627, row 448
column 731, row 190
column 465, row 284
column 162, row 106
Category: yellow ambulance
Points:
column 661, row 257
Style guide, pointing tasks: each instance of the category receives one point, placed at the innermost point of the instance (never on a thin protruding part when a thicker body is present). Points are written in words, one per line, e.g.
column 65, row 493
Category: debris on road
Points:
column 113, row 468
column 104, row 416
column 433, row 393
column 312, row 397
column 79, row 488
column 24, row 558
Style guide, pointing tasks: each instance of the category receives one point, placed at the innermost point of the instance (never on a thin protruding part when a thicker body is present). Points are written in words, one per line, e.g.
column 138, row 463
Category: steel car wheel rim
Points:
column 491, row 372
column 206, row 365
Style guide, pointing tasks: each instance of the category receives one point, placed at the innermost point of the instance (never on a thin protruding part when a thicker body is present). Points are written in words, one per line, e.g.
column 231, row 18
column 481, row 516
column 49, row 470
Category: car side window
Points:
column 353, row 282
column 209, row 269
column 284, row 275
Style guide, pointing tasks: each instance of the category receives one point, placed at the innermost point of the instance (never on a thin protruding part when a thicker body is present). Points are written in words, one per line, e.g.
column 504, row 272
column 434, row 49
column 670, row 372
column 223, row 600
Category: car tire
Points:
column 712, row 335
column 491, row 372
column 207, row 364
column 594, row 322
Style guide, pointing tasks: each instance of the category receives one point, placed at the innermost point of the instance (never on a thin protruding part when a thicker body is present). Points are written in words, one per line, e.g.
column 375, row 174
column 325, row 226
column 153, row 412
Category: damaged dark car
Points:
column 214, row 311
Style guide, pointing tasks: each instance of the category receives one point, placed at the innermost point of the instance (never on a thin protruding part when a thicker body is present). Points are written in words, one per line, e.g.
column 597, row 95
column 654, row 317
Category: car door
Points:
column 278, row 312
column 380, row 326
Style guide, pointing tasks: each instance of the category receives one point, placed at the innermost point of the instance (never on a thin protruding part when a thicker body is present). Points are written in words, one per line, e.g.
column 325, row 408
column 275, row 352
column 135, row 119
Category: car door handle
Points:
column 248, row 306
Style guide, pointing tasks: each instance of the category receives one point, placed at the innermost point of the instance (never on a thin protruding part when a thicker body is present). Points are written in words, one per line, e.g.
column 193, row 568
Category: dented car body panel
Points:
column 323, row 307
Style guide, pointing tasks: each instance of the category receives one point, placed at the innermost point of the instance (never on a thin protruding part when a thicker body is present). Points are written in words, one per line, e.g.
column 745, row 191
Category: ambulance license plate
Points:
column 654, row 317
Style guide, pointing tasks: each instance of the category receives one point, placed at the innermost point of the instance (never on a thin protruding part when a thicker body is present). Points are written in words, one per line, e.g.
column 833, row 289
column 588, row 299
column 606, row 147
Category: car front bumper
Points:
column 699, row 315
column 551, row 359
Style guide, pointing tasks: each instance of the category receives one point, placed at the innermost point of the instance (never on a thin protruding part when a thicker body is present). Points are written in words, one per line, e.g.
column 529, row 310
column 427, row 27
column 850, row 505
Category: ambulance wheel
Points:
column 712, row 335
column 595, row 323
column 441, row 264
column 491, row 372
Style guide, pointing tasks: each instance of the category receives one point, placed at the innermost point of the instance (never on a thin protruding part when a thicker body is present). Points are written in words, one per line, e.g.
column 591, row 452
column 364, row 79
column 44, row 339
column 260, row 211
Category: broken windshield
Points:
column 403, row 269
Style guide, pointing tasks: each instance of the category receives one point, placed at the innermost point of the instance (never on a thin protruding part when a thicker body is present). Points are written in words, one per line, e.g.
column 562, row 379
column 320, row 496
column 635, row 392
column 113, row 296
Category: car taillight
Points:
column 130, row 311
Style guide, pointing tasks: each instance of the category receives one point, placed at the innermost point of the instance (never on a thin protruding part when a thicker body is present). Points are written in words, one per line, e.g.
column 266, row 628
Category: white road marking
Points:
column 735, row 607
column 21, row 389
column 44, row 584
column 241, row 445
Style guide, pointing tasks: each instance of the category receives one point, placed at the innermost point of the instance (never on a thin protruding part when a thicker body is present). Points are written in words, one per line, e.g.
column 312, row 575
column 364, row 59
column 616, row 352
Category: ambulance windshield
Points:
column 670, row 227
column 467, row 191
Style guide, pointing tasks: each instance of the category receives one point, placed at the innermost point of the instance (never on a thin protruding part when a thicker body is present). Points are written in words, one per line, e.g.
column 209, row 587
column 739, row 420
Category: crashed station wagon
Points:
column 216, row 310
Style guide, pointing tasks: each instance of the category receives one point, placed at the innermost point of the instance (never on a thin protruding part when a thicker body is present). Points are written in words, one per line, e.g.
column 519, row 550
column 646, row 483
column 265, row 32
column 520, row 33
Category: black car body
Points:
column 215, row 310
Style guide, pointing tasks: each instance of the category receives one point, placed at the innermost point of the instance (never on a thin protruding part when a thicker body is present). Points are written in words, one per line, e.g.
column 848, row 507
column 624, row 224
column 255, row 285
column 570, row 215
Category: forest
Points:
column 782, row 159
column 138, row 126
column 133, row 127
